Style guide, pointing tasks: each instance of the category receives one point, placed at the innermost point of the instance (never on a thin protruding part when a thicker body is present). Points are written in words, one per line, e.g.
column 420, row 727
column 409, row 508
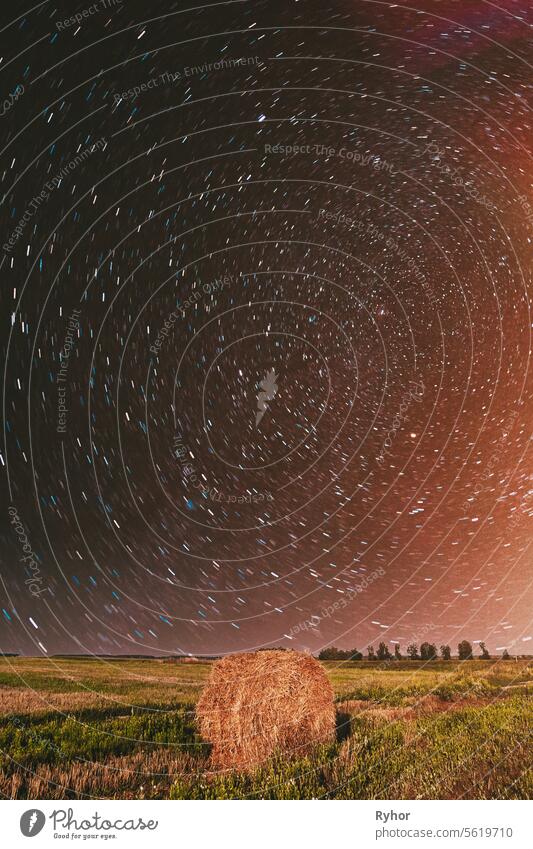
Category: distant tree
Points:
column 383, row 652
column 506, row 655
column 371, row 653
column 484, row 653
column 397, row 653
column 465, row 650
column 428, row 651
column 333, row 653
column 412, row 651
column 330, row 653
column 446, row 652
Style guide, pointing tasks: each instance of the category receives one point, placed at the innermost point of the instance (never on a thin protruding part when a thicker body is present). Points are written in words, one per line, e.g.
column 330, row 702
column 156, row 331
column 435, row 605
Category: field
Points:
column 110, row 728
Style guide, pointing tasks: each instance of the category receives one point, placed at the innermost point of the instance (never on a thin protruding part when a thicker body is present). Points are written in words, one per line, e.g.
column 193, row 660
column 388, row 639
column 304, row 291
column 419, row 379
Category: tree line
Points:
column 427, row 651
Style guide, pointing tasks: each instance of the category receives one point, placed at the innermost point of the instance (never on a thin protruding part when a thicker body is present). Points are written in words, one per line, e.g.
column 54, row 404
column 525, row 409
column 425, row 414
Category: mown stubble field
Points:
column 120, row 728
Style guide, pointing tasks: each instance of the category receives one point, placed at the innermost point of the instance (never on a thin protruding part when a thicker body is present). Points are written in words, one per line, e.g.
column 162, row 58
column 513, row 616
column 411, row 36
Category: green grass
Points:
column 472, row 753
column 126, row 729
column 54, row 741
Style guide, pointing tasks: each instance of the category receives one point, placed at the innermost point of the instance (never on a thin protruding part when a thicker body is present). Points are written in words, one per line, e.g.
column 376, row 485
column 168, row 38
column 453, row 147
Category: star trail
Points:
column 267, row 333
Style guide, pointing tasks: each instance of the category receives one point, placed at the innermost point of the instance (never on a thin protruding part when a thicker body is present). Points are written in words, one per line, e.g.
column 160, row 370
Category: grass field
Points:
column 126, row 729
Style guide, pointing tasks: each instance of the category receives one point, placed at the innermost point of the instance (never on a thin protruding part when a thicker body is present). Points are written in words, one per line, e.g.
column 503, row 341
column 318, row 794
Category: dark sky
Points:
column 268, row 327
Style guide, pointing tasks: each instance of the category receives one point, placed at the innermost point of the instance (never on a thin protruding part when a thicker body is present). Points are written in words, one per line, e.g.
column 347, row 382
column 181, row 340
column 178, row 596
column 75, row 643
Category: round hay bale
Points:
column 256, row 704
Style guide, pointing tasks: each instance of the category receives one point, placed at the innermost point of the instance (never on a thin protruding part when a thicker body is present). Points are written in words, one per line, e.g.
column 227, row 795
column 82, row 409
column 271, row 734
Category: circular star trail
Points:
column 268, row 335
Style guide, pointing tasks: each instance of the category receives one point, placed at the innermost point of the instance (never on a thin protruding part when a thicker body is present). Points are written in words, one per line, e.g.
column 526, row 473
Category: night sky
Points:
column 266, row 269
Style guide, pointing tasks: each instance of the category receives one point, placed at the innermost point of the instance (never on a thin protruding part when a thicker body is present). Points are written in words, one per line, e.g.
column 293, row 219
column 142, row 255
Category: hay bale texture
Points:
column 260, row 703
